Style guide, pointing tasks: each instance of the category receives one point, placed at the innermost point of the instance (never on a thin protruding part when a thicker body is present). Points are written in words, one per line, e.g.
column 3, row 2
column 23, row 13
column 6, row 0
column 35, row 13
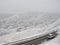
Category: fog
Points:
column 19, row 6
column 42, row 15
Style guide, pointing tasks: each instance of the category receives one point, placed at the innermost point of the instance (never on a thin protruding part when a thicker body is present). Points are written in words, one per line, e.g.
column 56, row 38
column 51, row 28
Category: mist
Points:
column 19, row 6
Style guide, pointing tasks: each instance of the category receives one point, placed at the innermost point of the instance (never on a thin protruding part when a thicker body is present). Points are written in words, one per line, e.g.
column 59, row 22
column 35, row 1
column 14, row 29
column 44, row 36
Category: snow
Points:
column 45, row 22
column 26, row 34
column 55, row 41
column 20, row 35
column 27, row 20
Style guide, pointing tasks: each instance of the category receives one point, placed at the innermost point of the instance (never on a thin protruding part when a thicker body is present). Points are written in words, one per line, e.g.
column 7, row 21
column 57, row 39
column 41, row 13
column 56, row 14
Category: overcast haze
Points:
column 17, row 6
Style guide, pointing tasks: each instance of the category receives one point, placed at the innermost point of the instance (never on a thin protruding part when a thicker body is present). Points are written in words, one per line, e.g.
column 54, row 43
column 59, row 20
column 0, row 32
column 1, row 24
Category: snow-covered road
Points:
column 55, row 41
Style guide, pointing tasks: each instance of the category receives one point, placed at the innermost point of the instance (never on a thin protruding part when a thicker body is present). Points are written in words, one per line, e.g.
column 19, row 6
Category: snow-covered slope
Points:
column 17, row 23
column 21, row 22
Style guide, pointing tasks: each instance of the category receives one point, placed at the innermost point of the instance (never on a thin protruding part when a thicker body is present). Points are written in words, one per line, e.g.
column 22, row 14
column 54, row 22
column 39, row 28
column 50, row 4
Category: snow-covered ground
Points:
column 20, row 22
column 32, row 32
column 29, row 21
column 55, row 41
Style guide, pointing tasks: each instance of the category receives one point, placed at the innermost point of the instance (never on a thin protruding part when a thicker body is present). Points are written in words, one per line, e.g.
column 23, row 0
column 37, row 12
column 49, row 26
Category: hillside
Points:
column 21, row 22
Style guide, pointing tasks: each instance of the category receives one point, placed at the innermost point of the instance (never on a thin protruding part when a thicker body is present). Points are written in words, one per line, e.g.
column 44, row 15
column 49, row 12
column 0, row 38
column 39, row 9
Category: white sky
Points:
column 15, row 6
